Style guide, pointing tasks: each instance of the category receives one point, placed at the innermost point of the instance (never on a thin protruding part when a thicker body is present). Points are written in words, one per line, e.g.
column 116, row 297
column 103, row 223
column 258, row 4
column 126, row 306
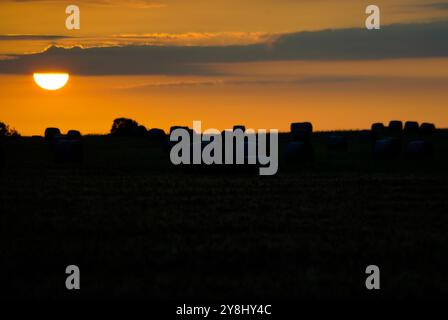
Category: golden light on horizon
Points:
column 51, row 81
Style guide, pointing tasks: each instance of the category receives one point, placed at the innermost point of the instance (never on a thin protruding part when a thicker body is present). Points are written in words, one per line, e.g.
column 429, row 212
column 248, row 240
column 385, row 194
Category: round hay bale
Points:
column 74, row 135
column 299, row 152
column 156, row 135
column 239, row 127
column 298, row 126
column 301, row 131
column 411, row 127
column 337, row 144
column 387, row 148
column 419, row 149
column 377, row 126
column 66, row 150
column 51, row 133
column 395, row 126
column 377, row 130
column 427, row 128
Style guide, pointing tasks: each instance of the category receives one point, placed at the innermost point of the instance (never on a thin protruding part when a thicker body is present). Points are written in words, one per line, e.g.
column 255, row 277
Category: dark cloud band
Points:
column 395, row 41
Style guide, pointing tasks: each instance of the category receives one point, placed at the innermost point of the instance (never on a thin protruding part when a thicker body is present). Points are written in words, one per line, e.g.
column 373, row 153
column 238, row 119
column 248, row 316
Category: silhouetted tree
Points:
column 6, row 131
column 123, row 127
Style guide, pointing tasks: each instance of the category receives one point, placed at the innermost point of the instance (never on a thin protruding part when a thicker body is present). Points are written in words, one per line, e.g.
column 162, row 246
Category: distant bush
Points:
column 6, row 131
column 123, row 127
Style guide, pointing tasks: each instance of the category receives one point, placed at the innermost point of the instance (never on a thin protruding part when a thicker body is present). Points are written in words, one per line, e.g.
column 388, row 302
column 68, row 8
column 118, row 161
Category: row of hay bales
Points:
column 397, row 127
column 65, row 148
column 69, row 147
column 386, row 143
column 389, row 143
column 203, row 144
column 54, row 133
column 300, row 148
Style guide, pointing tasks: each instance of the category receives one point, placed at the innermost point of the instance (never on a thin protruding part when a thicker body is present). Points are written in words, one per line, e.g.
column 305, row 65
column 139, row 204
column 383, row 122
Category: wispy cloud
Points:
column 196, row 38
column 139, row 4
column 240, row 82
column 42, row 42
column 395, row 41
column 30, row 37
column 435, row 5
column 6, row 57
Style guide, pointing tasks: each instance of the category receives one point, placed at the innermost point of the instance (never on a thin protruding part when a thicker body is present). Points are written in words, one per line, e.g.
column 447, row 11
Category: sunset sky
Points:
column 263, row 63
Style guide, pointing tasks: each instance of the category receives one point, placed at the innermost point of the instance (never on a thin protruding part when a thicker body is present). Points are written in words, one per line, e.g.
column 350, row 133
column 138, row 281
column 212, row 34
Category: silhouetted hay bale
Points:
column 301, row 131
column 66, row 150
column 51, row 133
column 419, row 149
column 427, row 128
column 377, row 130
column 305, row 126
column 156, row 135
column 74, row 135
column 299, row 152
column 240, row 127
column 411, row 127
column 395, row 126
column 387, row 148
column 337, row 143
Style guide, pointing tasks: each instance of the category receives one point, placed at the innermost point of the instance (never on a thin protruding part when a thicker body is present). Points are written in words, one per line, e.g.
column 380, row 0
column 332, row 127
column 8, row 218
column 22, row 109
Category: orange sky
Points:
column 333, row 95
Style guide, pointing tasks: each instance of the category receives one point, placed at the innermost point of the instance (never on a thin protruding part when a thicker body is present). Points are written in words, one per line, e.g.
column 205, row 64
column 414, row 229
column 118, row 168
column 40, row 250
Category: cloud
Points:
column 435, row 5
column 239, row 82
column 6, row 57
column 29, row 37
column 138, row 4
column 147, row 39
column 394, row 41
column 195, row 38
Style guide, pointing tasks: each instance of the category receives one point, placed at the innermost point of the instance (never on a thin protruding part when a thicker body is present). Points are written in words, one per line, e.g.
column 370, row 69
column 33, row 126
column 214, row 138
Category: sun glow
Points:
column 51, row 81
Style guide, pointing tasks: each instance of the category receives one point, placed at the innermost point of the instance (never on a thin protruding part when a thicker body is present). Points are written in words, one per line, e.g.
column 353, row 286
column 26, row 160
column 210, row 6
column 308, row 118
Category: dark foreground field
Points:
column 139, row 228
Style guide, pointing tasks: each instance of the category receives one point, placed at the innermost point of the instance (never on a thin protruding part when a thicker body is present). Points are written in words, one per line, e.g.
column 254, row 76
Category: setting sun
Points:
column 51, row 81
